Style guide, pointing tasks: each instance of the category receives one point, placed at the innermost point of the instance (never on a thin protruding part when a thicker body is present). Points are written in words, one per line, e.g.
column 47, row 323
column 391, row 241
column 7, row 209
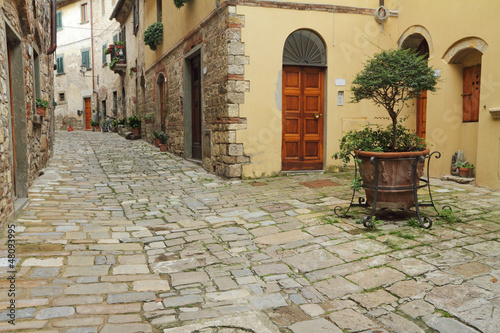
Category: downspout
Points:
column 53, row 27
column 92, row 51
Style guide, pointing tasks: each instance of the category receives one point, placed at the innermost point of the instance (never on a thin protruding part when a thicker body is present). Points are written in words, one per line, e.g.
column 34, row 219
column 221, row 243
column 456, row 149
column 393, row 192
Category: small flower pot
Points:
column 40, row 111
column 157, row 142
column 464, row 172
column 163, row 147
column 148, row 121
column 136, row 131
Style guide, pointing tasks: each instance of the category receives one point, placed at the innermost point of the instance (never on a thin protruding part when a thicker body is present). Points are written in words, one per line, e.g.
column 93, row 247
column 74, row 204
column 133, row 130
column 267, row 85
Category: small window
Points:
column 104, row 58
column 60, row 64
column 59, row 20
column 62, row 97
column 115, row 38
column 158, row 10
column 86, row 58
column 85, row 17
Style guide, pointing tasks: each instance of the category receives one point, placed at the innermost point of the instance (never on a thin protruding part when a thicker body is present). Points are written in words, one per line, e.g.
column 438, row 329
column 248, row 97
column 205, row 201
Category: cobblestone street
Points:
column 118, row 237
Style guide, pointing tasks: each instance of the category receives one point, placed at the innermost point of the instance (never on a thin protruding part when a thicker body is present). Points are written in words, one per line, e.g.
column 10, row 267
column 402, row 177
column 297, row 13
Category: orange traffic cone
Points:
column 70, row 129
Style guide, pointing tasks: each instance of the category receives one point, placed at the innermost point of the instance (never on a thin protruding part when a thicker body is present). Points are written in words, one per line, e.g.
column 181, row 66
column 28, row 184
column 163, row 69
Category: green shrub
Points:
column 153, row 36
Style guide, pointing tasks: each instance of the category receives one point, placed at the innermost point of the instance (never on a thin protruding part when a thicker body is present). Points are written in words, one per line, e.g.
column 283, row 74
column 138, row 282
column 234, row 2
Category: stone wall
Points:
column 218, row 41
column 32, row 37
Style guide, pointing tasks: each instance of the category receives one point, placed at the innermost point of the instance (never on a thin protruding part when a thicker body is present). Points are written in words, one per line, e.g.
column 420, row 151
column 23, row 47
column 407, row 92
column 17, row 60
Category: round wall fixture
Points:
column 381, row 14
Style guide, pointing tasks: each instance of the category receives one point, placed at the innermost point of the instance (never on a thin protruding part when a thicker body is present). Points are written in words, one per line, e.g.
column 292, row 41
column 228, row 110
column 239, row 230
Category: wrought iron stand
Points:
column 424, row 221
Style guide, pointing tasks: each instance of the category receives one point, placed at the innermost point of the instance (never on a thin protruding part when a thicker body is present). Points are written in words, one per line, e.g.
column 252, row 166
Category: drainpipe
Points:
column 92, row 52
column 53, row 27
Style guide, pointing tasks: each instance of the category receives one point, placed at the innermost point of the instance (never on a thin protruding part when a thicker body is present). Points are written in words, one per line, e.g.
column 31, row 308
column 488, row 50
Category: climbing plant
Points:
column 153, row 36
column 180, row 3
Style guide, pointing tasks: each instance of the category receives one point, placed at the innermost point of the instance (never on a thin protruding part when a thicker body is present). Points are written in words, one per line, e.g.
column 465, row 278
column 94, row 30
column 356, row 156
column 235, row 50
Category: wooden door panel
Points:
column 196, row 118
column 88, row 113
column 471, row 91
column 422, row 114
column 303, row 96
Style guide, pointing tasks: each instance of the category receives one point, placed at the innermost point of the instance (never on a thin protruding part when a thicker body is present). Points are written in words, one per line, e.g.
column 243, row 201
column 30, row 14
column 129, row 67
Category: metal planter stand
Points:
column 424, row 221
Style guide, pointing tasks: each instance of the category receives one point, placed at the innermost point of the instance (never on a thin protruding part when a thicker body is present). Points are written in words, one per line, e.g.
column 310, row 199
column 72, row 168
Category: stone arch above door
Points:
column 413, row 37
column 304, row 48
column 462, row 48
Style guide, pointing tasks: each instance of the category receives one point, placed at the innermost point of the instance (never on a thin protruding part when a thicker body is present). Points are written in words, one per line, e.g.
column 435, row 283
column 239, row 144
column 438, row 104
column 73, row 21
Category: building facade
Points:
column 251, row 88
column 26, row 66
column 92, row 91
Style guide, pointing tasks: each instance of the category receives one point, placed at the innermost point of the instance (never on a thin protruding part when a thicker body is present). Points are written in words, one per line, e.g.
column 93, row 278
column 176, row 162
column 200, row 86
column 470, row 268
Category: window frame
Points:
column 104, row 55
column 89, row 63
column 59, row 24
column 84, row 12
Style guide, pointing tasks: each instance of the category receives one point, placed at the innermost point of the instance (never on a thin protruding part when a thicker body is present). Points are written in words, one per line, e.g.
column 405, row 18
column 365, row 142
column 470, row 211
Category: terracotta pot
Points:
column 395, row 170
column 463, row 172
column 163, row 147
column 148, row 121
column 157, row 142
column 40, row 111
column 136, row 131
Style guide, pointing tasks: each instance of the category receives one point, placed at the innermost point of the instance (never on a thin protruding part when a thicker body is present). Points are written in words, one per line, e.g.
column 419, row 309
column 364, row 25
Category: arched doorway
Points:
column 304, row 63
column 419, row 44
column 160, row 112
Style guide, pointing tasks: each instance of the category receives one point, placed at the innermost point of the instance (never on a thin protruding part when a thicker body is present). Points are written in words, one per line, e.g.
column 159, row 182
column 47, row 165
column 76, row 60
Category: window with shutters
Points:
column 86, row 58
column 60, row 64
column 84, row 10
column 59, row 20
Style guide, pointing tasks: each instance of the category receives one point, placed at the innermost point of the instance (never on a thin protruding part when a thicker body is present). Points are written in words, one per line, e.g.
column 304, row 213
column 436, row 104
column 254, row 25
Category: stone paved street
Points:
column 119, row 237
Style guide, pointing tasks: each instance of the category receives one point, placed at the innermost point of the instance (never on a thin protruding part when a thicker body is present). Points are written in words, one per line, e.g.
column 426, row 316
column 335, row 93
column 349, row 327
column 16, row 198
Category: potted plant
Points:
column 119, row 44
column 464, row 168
column 95, row 125
column 135, row 124
column 41, row 106
column 156, row 139
column 149, row 118
column 163, row 141
column 180, row 3
column 153, row 36
column 389, row 79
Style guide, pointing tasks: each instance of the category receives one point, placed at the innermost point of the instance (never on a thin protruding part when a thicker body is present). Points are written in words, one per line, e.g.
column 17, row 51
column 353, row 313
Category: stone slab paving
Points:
column 119, row 237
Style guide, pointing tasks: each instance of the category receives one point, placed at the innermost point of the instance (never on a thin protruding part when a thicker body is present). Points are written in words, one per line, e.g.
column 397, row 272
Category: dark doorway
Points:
column 196, row 108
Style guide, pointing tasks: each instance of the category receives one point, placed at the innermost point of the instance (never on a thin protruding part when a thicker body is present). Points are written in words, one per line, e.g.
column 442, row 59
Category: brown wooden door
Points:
column 302, row 140
column 422, row 114
column 14, row 160
column 196, row 108
column 161, row 88
column 470, row 96
column 88, row 112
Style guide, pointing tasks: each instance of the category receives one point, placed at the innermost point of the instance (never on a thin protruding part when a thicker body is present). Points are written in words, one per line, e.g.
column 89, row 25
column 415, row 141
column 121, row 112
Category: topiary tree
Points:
column 180, row 3
column 153, row 36
column 391, row 78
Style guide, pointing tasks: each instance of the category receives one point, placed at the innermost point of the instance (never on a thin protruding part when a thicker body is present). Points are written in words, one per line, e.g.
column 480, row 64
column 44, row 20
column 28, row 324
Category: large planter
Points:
column 136, row 131
column 395, row 171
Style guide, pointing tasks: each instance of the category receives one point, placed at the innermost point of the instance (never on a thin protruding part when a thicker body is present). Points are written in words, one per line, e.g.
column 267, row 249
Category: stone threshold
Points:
column 458, row 179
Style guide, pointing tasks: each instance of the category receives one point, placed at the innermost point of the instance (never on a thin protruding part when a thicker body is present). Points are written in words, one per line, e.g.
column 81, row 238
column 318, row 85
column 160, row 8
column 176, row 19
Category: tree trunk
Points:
column 394, row 132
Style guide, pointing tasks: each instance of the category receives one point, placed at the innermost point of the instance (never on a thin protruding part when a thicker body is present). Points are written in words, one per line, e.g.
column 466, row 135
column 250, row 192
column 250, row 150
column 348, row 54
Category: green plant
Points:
column 163, row 138
column 113, row 62
column 180, row 3
column 122, row 121
column 149, row 117
column 94, row 123
column 119, row 42
column 466, row 165
column 153, row 36
column 374, row 138
column 413, row 223
column 448, row 216
column 155, row 135
column 389, row 79
column 331, row 220
column 41, row 103
column 133, row 122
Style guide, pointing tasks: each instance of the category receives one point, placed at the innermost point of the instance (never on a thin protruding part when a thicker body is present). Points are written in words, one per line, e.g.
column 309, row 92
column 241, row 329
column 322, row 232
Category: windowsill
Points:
column 59, row 74
column 85, row 22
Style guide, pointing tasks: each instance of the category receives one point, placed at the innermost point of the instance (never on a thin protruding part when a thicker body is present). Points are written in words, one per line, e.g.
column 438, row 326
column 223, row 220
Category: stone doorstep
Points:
column 460, row 180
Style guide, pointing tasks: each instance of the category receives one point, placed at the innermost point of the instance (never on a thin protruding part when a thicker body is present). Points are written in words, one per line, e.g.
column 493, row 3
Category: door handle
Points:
column 317, row 115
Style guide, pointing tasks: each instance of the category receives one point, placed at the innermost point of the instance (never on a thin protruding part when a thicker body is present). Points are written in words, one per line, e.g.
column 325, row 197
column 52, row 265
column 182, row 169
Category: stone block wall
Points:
column 218, row 41
column 31, row 35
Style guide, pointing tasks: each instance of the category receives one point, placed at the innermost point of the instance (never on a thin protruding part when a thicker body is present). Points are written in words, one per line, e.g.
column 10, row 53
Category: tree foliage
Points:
column 391, row 78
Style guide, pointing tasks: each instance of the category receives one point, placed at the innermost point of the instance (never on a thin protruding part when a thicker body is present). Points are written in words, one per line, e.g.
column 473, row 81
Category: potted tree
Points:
column 41, row 106
column 135, row 125
column 389, row 79
column 163, row 141
column 464, row 168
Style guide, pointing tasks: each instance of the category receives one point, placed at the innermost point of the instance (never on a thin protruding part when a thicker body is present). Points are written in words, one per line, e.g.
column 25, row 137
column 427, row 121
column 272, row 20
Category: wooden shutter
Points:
column 59, row 20
column 85, row 59
column 60, row 65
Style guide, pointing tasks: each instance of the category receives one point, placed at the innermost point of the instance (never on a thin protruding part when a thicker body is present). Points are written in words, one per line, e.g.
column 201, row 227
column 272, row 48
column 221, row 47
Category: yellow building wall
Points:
column 349, row 40
column 480, row 141
column 177, row 23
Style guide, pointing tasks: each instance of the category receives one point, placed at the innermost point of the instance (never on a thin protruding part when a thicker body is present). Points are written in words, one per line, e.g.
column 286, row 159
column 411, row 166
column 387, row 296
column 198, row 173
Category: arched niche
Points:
column 415, row 38
column 463, row 49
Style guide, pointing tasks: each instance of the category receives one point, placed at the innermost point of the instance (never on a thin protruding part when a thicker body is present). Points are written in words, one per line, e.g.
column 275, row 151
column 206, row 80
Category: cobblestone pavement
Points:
column 118, row 237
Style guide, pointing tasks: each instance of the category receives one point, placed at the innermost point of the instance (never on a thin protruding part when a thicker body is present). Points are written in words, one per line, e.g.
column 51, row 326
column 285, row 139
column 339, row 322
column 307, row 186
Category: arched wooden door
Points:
column 304, row 62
